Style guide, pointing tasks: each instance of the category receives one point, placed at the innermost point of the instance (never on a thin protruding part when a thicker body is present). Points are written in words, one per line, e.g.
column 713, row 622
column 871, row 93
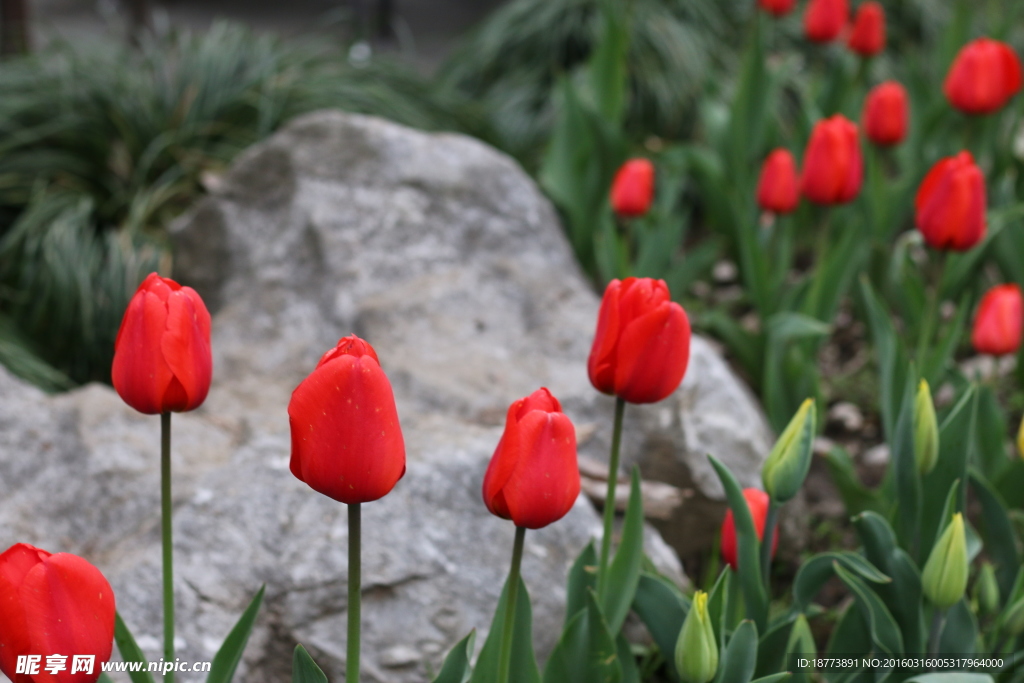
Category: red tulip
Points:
column 984, row 76
column 826, row 19
column 868, row 35
column 777, row 7
column 757, row 503
column 950, row 204
column 777, row 188
column 346, row 440
column 997, row 325
column 886, row 113
column 533, row 477
column 633, row 188
column 833, row 168
column 162, row 360
column 54, row 606
column 642, row 345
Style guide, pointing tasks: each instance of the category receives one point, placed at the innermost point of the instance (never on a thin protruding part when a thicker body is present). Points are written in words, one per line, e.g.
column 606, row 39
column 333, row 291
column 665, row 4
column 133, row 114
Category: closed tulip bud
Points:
column 786, row 467
column 633, row 188
column 642, row 345
column 53, row 605
column 987, row 589
column 886, row 113
column 997, row 325
column 1013, row 619
column 950, row 204
column 534, row 477
column 162, row 360
column 778, row 8
column 757, row 503
column 983, row 77
column 824, row 20
column 926, row 430
column 868, row 35
column 697, row 647
column 777, row 189
column 944, row 578
column 833, row 167
column 346, row 440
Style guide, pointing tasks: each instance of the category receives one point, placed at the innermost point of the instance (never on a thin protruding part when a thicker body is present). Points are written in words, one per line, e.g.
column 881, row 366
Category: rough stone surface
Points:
column 444, row 255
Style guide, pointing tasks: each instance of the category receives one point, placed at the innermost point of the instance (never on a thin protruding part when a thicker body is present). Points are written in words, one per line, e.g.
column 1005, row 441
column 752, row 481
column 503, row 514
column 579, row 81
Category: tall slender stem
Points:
column 354, row 594
column 609, row 500
column 505, row 657
column 768, row 540
column 165, row 514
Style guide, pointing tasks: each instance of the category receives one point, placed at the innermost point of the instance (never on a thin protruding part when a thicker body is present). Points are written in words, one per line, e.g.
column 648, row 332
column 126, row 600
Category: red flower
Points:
column 950, row 204
column 777, row 7
column 984, row 76
column 346, row 440
column 833, row 168
column 633, row 188
column 53, row 605
column 868, row 35
column 886, row 113
column 997, row 325
column 533, row 478
column 642, row 345
column 757, row 503
column 162, row 359
column 777, row 188
column 825, row 19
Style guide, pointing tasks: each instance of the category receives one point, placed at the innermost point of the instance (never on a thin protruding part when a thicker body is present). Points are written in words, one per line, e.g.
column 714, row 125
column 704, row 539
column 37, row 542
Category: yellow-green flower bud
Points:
column 697, row 647
column 926, row 430
column 986, row 589
column 786, row 467
column 945, row 573
column 1013, row 619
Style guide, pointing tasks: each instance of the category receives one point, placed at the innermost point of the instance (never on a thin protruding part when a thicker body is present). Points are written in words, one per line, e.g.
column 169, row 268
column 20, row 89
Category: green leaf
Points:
column 456, row 667
column 991, row 432
column 608, row 63
column 885, row 634
column 849, row 637
column 630, row 671
column 771, row 649
column 904, row 462
column 230, row 654
column 784, row 330
column 305, row 670
column 624, row 571
column 748, row 547
column 740, row 658
column 816, row 571
column 524, row 662
column 586, row 652
column 960, row 632
column 130, row 651
column 582, row 578
column 891, row 355
column 662, row 608
column 1000, row 539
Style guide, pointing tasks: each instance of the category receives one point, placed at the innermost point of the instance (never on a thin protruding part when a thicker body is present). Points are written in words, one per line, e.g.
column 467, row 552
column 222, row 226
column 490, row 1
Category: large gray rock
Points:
column 445, row 256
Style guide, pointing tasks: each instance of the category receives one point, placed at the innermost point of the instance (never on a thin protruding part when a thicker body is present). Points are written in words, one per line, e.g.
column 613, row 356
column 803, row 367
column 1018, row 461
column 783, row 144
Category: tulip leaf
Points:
column 1001, row 541
column 230, row 654
column 586, row 652
column 582, row 578
column 891, row 355
column 885, row 634
column 904, row 462
column 130, row 651
column 456, row 667
column 850, row 636
column 748, row 547
column 771, row 648
column 524, row 662
column 816, row 571
column 740, row 657
column 608, row 63
column 630, row 671
column 991, row 433
column 956, row 445
column 305, row 670
column 960, row 631
column 624, row 571
column 662, row 608
column 939, row 358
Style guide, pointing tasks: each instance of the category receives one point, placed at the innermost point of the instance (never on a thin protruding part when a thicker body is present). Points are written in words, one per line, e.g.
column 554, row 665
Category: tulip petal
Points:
column 652, row 355
column 140, row 374
column 185, row 346
column 546, row 481
column 14, row 641
column 600, row 366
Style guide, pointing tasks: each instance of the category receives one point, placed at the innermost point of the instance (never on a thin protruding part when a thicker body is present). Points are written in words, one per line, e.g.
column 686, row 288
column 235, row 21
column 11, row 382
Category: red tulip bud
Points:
column 868, row 35
column 757, row 503
column 984, row 76
column 346, row 440
column 950, row 204
column 777, row 7
column 56, row 606
column 633, row 188
column 533, row 478
column 997, row 325
column 824, row 20
column 886, row 113
column 833, row 168
column 162, row 360
column 777, row 188
column 642, row 345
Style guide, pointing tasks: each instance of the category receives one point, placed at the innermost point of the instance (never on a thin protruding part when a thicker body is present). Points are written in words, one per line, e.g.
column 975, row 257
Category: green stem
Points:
column 938, row 622
column 354, row 591
column 770, row 523
column 609, row 499
column 505, row 658
column 168, row 546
